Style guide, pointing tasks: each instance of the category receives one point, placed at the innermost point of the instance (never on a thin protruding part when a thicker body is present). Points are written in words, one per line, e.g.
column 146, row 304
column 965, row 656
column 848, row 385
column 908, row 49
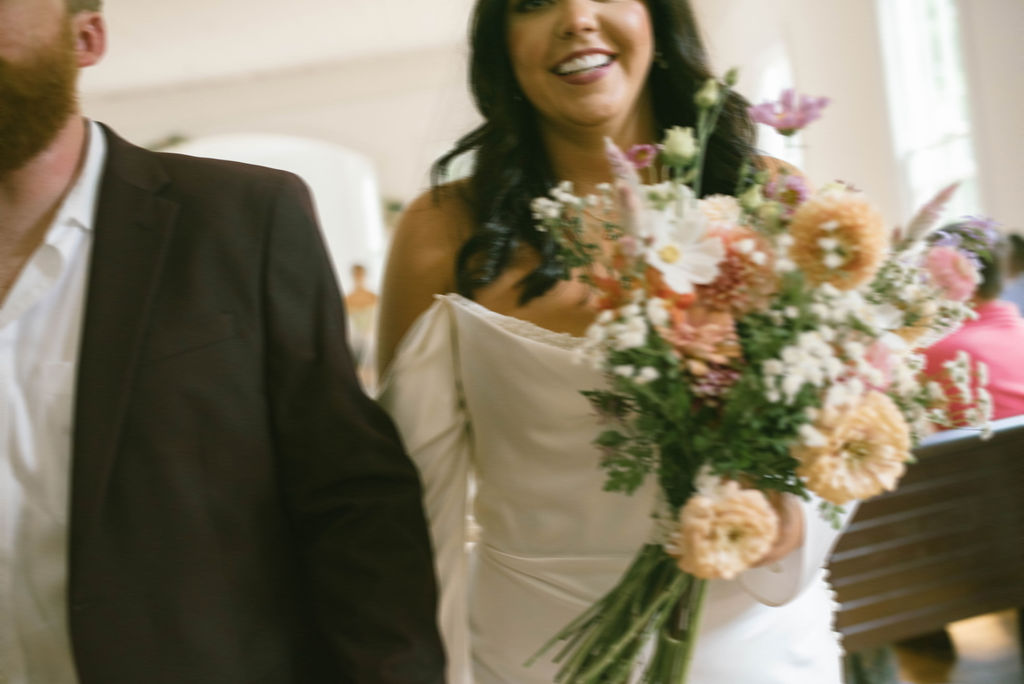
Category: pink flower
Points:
column 880, row 356
column 627, row 186
column 703, row 337
column 642, row 156
column 790, row 113
column 952, row 272
column 746, row 276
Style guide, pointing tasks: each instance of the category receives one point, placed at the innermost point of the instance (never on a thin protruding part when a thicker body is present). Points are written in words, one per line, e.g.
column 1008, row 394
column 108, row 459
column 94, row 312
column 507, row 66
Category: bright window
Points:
column 928, row 101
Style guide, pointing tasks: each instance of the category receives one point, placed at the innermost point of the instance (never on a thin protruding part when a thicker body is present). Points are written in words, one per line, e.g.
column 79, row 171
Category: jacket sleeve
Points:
column 353, row 495
column 421, row 391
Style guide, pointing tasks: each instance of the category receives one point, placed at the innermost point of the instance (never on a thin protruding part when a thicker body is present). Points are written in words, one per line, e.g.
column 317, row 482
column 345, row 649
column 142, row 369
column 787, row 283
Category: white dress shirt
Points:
column 40, row 328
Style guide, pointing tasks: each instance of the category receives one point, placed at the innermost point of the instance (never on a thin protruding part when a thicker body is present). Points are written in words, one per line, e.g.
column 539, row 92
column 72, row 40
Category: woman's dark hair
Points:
column 511, row 165
column 1016, row 257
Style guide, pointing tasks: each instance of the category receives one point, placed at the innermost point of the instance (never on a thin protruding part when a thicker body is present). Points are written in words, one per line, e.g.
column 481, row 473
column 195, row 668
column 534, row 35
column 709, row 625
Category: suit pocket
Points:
column 174, row 340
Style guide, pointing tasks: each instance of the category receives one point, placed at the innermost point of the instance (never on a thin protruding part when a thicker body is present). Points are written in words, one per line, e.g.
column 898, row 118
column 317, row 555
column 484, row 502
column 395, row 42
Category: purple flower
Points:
column 975, row 237
column 985, row 228
column 789, row 190
column 643, row 156
column 791, row 113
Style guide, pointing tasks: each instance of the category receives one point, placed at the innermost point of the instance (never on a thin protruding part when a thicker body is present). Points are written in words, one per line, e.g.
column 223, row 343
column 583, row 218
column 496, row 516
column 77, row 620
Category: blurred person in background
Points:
column 1014, row 289
column 996, row 336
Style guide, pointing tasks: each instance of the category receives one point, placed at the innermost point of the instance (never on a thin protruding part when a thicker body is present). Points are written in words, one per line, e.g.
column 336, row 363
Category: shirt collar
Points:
column 79, row 207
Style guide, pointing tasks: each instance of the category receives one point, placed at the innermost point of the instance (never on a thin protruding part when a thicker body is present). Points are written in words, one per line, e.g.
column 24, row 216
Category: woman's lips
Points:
column 586, row 76
column 584, row 67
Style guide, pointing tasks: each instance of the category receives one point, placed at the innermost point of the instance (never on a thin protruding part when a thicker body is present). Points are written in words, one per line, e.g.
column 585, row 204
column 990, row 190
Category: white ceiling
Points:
column 153, row 43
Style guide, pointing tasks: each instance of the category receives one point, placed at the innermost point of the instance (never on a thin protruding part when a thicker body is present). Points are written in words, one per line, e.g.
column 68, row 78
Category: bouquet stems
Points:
column 651, row 615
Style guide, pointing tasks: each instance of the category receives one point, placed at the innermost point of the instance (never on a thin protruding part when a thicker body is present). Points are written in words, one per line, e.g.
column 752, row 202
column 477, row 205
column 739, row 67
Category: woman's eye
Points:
column 530, row 5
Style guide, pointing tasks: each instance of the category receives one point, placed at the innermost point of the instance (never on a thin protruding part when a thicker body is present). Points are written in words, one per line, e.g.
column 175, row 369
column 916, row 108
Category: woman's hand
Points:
column 791, row 527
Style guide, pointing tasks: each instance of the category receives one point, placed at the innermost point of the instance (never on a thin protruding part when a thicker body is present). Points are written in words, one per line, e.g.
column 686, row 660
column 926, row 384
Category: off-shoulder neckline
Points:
column 516, row 327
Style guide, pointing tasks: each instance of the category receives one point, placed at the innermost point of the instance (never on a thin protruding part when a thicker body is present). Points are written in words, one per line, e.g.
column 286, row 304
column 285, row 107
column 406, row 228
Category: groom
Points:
column 193, row 490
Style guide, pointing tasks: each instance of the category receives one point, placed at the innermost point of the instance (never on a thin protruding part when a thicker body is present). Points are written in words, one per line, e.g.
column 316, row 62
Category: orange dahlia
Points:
column 863, row 451
column 720, row 536
column 838, row 238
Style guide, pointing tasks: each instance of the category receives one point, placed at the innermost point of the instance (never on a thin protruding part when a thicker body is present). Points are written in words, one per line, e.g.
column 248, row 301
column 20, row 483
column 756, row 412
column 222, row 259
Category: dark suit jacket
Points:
column 241, row 512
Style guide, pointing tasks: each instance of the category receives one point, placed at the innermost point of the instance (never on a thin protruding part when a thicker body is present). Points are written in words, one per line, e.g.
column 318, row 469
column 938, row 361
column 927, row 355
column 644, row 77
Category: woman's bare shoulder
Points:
column 440, row 216
column 777, row 168
column 422, row 259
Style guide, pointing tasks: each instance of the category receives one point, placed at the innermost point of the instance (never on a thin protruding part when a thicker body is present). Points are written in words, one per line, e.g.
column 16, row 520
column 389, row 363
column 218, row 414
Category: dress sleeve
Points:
column 783, row 581
column 421, row 391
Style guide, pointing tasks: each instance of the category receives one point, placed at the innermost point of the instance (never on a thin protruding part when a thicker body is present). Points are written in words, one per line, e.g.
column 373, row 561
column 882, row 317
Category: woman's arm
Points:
column 421, row 263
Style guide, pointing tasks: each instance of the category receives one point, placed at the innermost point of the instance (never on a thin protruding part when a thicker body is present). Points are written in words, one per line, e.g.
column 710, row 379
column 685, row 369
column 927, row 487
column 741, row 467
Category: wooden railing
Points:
column 948, row 544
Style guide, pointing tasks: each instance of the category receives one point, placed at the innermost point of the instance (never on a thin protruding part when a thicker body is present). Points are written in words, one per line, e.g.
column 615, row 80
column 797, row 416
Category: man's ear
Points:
column 90, row 36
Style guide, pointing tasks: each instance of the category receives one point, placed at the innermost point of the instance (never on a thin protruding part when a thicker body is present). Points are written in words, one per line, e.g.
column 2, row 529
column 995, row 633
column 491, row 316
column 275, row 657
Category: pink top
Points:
column 997, row 339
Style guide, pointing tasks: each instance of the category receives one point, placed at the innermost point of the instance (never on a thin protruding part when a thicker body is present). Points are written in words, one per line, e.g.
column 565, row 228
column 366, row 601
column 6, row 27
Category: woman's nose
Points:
column 578, row 18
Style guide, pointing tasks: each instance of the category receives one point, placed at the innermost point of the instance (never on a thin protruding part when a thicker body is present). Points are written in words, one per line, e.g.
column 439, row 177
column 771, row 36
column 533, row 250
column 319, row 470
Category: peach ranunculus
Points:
column 724, row 531
column 838, row 238
column 857, row 453
column 952, row 272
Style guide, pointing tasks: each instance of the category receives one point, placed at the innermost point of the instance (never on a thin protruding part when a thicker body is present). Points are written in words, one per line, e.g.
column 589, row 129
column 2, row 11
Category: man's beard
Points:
column 37, row 95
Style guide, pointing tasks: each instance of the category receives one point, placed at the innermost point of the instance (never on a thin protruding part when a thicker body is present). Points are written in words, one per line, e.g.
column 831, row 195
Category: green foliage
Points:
column 832, row 514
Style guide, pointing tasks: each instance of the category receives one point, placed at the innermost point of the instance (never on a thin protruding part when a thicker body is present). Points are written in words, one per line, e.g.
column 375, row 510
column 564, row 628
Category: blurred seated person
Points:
column 1014, row 288
column 996, row 336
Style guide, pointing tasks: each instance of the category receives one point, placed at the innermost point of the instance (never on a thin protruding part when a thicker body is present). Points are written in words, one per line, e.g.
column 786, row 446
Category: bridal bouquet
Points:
column 753, row 344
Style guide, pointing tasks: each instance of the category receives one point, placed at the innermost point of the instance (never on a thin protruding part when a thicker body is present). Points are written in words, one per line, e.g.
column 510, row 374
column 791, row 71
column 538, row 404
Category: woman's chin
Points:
column 594, row 115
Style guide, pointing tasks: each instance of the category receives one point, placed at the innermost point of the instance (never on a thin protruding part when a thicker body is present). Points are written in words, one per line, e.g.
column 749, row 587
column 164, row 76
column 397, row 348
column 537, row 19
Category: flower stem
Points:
column 663, row 601
column 698, row 591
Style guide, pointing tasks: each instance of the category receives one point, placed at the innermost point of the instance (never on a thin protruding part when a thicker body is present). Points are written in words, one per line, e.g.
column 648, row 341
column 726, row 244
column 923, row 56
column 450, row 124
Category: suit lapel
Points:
column 132, row 230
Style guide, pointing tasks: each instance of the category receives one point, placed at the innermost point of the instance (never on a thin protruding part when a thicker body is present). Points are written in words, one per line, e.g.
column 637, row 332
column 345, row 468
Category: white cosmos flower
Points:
column 679, row 245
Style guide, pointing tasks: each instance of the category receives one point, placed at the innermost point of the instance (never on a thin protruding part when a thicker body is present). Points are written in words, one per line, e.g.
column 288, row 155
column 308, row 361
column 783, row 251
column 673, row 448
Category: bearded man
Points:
column 193, row 489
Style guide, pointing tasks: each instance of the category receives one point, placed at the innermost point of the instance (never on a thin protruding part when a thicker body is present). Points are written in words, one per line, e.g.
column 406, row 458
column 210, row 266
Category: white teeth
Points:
column 583, row 63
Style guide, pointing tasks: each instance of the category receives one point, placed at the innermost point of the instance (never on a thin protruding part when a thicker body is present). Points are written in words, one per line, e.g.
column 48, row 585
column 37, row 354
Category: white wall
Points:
column 831, row 48
column 156, row 42
column 403, row 108
column 400, row 110
column 993, row 35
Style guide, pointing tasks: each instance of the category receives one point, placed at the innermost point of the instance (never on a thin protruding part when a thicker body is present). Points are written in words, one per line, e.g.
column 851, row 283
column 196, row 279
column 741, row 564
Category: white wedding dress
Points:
column 494, row 401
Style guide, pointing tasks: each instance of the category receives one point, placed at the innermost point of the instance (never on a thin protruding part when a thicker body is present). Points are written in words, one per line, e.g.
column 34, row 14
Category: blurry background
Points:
column 360, row 96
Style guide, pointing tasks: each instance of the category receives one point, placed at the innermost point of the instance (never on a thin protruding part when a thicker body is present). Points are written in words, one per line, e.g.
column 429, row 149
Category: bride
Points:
column 477, row 335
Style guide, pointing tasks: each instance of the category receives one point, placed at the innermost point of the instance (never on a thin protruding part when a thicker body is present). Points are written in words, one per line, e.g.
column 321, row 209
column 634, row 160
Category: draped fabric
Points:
column 524, row 536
